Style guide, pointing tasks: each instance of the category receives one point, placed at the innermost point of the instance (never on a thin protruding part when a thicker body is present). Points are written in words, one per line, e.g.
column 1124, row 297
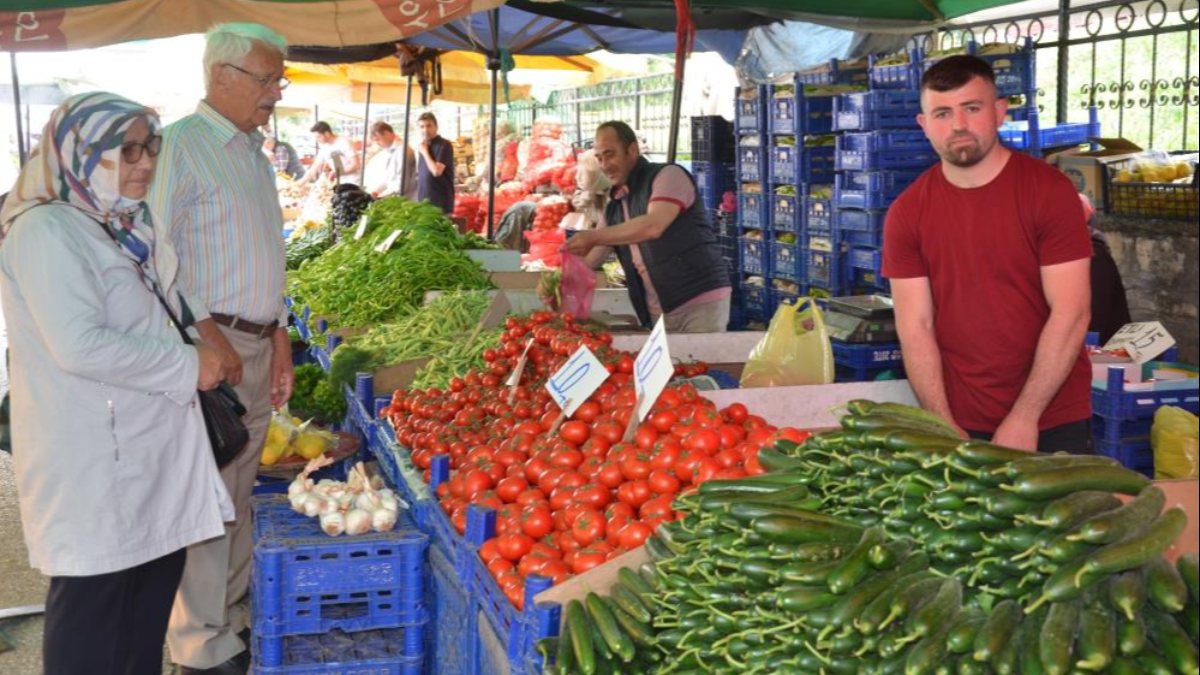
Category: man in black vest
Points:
column 662, row 237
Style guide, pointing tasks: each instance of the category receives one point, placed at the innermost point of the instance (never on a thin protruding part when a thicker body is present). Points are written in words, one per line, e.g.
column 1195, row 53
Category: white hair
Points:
column 231, row 42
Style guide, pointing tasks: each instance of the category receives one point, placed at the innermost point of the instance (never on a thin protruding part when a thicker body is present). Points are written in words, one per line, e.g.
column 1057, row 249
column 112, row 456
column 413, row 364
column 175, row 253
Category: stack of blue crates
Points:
column 346, row 604
column 715, row 172
column 866, row 362
column 753, row 141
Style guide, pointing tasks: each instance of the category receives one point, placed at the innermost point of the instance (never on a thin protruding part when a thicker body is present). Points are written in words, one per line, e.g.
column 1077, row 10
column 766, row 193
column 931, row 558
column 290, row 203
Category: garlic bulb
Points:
column 330, row 506
column 333, row 523
column 312, row 505
column 389, row 502
column 358, row 522
column 367, row 501
column 383, row 520
column 297, row 500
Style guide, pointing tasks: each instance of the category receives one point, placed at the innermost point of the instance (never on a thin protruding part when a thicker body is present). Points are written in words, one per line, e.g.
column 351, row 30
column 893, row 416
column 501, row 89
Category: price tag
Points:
column 387, row 243
column 515, row 377
column 362, row 228
column 652, row 369
column 1142, row 341
column 576, row 380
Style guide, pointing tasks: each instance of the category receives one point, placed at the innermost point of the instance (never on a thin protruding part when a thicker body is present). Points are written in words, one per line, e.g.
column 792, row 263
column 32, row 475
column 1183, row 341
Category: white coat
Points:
column 112, row 459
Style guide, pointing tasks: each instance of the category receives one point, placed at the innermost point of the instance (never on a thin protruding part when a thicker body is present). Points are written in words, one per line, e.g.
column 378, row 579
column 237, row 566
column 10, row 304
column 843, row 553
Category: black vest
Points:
column 682, row 263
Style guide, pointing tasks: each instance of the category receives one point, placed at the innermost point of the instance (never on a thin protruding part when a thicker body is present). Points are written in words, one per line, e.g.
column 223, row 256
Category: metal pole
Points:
column 362, row 170
column 404, row 187
column 676, row 105
column 316, row 118
column 578, row 125
column 1064, row 34
column 494, row 66
column 16, row 85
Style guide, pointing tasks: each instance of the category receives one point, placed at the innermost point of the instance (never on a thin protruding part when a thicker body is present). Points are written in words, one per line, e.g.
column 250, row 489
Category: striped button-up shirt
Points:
column 218, row 220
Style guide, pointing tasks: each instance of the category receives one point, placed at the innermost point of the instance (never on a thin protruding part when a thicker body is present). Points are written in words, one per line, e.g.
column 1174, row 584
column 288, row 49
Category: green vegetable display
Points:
column 313, row 396
column 311, row 245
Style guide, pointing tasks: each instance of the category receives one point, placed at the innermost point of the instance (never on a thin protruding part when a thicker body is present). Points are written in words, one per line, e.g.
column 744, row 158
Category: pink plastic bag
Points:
column 578, row 285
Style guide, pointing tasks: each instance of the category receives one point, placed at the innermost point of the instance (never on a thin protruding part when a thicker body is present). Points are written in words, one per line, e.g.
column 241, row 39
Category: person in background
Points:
column 219, row 222
column 1110, row 307
column 435, row 173
column 335, row 155
column 114, row 472
column 283, row 156
column 662, row 237
column 391, row 175
column 988, row 256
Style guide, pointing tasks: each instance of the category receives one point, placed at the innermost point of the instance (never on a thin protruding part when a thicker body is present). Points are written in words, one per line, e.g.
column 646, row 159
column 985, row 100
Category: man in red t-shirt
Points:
column 988, row 256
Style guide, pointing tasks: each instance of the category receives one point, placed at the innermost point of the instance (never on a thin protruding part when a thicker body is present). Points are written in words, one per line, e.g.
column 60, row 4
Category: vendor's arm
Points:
column 913, row 300
column 435, row 167
column 314, row 170
column 1067, row 287
column 659, row 216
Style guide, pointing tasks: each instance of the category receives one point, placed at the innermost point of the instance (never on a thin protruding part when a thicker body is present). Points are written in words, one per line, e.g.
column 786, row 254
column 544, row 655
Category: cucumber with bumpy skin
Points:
column 1137, row 513
column 1057, row 641
column 1097, row 637
column 1189, row 570
column 998, row 630
column 1127, row 593
column 1165, row 587
column 1175, row 645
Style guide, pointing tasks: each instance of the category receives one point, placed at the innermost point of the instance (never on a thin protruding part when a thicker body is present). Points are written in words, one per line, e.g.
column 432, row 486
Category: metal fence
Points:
column 1135, row 61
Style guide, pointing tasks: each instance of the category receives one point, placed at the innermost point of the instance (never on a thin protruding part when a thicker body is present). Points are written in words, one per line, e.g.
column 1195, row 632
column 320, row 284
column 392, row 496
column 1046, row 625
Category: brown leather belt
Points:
column 258, row 330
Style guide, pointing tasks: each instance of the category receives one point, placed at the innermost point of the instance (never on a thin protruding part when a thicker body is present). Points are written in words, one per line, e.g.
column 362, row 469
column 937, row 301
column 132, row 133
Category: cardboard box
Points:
column 1087, row 168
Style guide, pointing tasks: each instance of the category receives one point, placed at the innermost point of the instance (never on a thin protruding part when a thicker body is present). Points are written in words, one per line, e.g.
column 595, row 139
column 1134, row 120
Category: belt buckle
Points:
column 233, row 322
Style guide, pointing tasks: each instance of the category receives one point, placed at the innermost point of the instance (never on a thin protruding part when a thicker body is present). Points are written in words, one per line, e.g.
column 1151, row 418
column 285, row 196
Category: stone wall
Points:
column 1159, row 265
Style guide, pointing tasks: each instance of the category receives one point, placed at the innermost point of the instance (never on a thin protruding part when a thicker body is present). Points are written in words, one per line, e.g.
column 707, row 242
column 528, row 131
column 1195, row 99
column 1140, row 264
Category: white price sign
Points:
column 1142, row 341
column 515, row 377
column 576, row 380
column 362, row 228
column 387, row 243
column 652, row 369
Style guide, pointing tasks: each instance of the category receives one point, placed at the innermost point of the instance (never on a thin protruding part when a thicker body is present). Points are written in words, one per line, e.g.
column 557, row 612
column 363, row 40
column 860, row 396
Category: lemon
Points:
column 272, row 453
column 309, row 446
column 1183, row 169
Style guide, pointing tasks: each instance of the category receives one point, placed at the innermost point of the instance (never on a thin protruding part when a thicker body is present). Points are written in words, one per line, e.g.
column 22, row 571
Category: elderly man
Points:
column 383, row 176
column 214, row 201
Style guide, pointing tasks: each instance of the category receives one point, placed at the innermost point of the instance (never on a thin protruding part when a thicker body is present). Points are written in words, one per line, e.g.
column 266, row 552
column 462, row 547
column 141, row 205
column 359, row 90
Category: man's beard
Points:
column 964, row 155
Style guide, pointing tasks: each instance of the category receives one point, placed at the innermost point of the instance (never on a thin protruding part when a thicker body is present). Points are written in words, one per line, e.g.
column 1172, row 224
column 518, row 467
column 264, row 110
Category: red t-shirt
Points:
column 982, row 250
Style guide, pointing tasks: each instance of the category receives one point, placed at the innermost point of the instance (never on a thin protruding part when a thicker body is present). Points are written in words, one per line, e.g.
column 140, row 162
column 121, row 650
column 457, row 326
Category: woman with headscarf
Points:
column 115, row 474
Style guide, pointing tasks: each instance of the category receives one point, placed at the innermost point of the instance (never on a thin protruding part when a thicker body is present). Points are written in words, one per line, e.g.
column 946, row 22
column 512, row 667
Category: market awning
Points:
column 55, row 25
column 645, row 12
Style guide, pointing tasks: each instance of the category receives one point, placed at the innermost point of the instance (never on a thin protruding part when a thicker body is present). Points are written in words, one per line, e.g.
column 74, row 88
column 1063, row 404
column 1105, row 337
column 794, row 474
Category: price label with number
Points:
column 576, row 380
column 515, row 376
column 387, row 243
column 362, row 227
column 652, row 369
column 1143, row 341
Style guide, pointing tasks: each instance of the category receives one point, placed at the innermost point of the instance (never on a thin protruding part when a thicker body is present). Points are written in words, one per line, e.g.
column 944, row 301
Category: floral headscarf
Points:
column 78, row 164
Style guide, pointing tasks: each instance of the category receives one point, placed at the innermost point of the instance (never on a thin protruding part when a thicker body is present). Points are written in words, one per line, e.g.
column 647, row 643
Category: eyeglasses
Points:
column 132, row 152
column 264, row 81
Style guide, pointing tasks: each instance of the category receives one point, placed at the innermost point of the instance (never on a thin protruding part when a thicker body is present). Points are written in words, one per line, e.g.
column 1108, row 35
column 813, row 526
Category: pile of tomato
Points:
column 569, row 494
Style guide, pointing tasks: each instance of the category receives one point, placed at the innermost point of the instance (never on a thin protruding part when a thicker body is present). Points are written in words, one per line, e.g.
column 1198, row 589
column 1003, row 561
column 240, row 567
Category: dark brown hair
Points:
column 321, row 128
column 955, row 71
column 624, row 132
column 381, row 128
column 427, row 116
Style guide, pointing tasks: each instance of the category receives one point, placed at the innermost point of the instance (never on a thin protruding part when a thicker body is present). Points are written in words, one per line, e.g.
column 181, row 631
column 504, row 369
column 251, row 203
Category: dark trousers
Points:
column 1072, row 437
column 111, row 624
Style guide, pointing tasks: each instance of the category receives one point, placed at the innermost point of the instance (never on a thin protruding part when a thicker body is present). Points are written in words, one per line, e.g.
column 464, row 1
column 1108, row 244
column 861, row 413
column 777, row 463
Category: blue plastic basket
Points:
column 869, row 259
column 1017, row 135
column 1110, row 398
column 712, row 139
column 1121, row 430
column 713, row 181
column 818, row 217
column 450, row 607
column 857, row 355
column 787, row 262
column 755, row 302
column 376, row 652
column 858, row 220
column 786, row 214
column 847, row 374
column 750, row 113
column 753, row 211
column 1136, row 454
column 880, row 150
column 799, row 115
column 860, row 238
column 872, row 110
column 307, row 582
column 905, row 76
column 794, row 164
column 752, row 162
column 755, row 256
column 821, row 269
column 833, row 72
column 870, row 189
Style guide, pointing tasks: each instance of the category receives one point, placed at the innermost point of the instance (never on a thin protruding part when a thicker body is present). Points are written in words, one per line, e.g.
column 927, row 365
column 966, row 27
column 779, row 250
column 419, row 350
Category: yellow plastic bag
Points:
column 794, row 351
column 1175, row 437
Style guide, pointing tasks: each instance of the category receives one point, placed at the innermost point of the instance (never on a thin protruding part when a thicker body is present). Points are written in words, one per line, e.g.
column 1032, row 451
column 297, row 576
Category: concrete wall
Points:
column 1159, row 265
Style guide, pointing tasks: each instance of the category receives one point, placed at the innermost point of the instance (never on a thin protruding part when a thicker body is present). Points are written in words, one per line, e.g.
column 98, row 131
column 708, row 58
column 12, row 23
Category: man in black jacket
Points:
column 662, row 237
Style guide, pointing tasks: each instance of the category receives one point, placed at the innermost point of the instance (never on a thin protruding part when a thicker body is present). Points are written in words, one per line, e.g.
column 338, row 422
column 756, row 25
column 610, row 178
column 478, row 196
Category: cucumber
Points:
column 1029, row 636
column 1136, row 514
column 602, row 617
column 1131, row 636
column 1165, row 588
column 856, row 563
column 1189, row 570
column 801, row 599
column 1055, row 483
column 1190, row 619
column 770, row 483
column 641, row 633
column 1096, row 646
column 916, row 441
column 924, row 657
column 773, row 460
column 1001, row 503
column 564, row 654
column 999, row 629
column 1125, row 666
column 1155, row 663
column 599, row 644
column 1138, row 549
column 809, row 573
column 746, row 510
column 910, row 598
column 885, row 555
column 961, row 637
column 1056, row 643
column 1031, row 463
column 876, row 611
column 853, row 603
column 1067, row 512
column 791, row 530
column 626, row 599
column 917, row 414
column 1127, row 593
column 925, row 619
column 581, row 638
column 984, row 454
column 1176, row 647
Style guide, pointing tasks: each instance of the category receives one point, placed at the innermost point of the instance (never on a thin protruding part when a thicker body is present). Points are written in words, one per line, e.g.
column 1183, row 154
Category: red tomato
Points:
column 587, row 412
column 608, row 431
column 735, row 412
column 499, row 567
column 515, row 592
column 659, row 507
column 705, row 470
column 550, row 480
column 588, row 527
column 587, row 558
column 561, row 497
column 619, row 509
column 574, row 432
column 728, row 458
column 536, row 521
column 635, row 493
column 531, row 496
column 572, row 479
column 794, row 435
column 665, row 457
column 703, row 440
column 610, row 475
column 613, row 528
column 634, row 535
column 514, row 546
column 635, row 467
column 593, row 495
column 508, row 489
column 663, row 482
column 644, row 437
column 663, row 420
column 489, row 551
column 556, row 570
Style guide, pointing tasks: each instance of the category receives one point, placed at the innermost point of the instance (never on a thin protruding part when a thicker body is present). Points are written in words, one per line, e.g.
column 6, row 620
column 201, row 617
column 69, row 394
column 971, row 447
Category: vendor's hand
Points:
column 581, row 243
column 1017, row 432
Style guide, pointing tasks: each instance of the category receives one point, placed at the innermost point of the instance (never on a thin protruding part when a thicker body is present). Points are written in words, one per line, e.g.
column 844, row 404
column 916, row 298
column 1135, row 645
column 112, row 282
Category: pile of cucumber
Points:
column 893, row 547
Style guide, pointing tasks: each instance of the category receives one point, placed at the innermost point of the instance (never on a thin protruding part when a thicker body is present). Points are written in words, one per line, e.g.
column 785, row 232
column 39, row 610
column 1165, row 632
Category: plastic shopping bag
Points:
column 1174, row 437
column 794, row 351
column 578, row 284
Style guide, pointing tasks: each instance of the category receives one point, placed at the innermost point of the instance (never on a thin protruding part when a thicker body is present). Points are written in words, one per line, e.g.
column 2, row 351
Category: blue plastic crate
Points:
column 755, row 302
column 821, row 269
column 450, row 607
column 375, row 652
column 787, row 262
column 870, row 189
column 713, row 181
column 860, row 238
column 786, row 214
column 834, row 72
column 795, row 114
column 818, row 217
column 1018, row 136
column 755, row 256
column 858, row 220
column 752, row 163
column 847, row 374
column 857, row 355
column 792, row 164
column 1136, row 454
column 751, row 113
column 308, row 582
column 880, row 150
column 753, row 210
column 1110, row 398
column 777, row 297
column 872, row 110
column 1121, row 430
column 712, row 139
column 869, row 259
column 906, row 76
